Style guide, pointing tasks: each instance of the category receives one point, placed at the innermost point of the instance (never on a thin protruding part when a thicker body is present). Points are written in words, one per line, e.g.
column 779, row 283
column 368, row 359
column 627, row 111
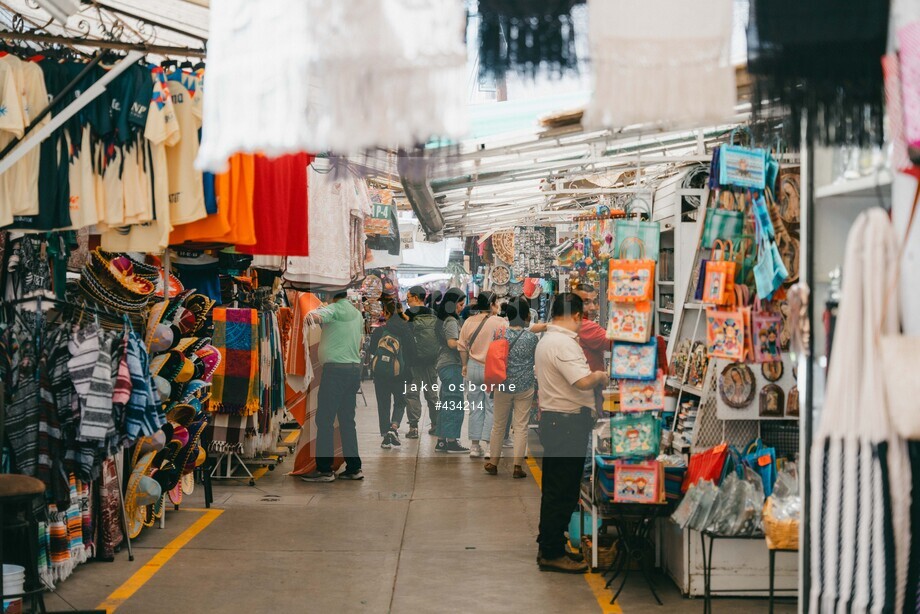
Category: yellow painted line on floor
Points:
column 258, row 473
column 145, row 573
column 595, row 580
column 292, row 438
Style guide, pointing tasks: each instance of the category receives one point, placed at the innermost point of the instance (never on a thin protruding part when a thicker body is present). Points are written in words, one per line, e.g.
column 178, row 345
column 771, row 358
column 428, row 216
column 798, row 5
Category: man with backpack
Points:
column 424, row 372
column 392, row 350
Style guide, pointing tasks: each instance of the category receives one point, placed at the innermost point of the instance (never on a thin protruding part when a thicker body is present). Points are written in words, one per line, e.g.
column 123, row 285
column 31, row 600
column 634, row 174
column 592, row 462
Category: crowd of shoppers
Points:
column 432, row 351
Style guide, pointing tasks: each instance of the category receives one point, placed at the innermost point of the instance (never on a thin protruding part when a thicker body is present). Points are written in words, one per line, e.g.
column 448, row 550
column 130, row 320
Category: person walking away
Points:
column 392, row 350
column 566, row 385
column 423, row 371
column 450, row 414
column 475, row 336
column 516, row 394
column 340, row 356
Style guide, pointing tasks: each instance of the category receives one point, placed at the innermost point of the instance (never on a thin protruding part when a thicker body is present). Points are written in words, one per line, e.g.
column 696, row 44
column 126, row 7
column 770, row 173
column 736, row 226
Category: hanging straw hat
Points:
column 93, row 287
column 118, row 275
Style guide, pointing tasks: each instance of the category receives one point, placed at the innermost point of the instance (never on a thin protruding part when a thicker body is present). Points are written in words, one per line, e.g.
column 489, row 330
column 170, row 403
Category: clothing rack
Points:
column 166, row 50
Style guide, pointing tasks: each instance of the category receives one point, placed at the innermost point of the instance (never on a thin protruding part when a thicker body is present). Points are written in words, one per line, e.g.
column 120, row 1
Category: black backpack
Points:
column 426, row 338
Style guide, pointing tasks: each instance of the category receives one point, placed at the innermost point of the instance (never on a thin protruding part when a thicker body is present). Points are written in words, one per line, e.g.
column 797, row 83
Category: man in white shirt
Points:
column 566, row 386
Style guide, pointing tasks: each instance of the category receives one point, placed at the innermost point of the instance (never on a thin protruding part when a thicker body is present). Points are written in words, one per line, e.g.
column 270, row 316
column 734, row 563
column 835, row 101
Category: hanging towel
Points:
column 667, row 61
column 91, row 371
column 235, row 388
column 860, row 470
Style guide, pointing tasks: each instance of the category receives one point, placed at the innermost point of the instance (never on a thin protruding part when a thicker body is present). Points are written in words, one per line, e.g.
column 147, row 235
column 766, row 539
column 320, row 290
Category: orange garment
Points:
column 233, row 223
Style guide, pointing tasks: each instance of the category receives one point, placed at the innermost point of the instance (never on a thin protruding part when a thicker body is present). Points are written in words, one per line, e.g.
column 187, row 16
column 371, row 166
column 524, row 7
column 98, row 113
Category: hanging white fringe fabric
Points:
column 662, row 62
column 860, row 471
column 286, row 76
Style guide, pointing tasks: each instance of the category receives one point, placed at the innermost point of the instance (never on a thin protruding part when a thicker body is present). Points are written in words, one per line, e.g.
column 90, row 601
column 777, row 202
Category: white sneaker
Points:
column 508, row 443
column 476, row 451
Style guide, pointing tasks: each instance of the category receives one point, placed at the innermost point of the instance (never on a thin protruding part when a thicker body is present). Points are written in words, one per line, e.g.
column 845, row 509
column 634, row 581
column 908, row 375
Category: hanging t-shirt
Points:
column 36, row 102
column 161, row 130
column 280, row 206
column 12, row 125
column 186, row 189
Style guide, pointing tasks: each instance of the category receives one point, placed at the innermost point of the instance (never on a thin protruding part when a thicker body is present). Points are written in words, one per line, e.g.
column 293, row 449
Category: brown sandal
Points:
column 518, row 472
column 491, row 469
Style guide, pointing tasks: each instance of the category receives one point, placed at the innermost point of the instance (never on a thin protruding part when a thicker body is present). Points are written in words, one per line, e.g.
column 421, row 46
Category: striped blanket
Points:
column 236, row 388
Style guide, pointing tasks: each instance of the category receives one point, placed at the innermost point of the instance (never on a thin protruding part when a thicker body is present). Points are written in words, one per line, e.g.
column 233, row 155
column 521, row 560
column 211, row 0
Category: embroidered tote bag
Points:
column 635, row 361
column 765, row 335
column 635, row 436
column 637, row 482
column 725, row 334
column 648, row 233
column 719, row 287
column 637, row 395
column 630, row 322
column 632, row 281
column 742, row 167
column 723, row 222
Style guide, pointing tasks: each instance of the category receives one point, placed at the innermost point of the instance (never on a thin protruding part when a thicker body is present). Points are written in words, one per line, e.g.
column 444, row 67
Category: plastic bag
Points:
column 786, row 502
column 695, row 507
column 738, row 509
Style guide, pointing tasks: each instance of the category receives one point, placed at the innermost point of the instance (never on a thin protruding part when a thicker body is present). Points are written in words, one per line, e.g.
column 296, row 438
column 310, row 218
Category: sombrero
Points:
column 189, row 455
column 181, row 414
column 93, row 288
column 210, row 357
column 117, row 273
column 141, row 269
column 200, row 305
column 172, row 366
column 188, row 345
column 142, row 491
column 175, row 285
column 175, row 306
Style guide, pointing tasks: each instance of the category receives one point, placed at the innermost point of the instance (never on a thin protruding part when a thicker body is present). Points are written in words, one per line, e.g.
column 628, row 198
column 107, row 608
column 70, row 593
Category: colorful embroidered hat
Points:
column 142, row 490
column 210, row 357
column 117, row 273
column 201, row 306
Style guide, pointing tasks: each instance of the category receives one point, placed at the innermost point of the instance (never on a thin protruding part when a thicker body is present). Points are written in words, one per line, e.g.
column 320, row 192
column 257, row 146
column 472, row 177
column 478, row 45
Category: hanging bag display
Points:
column 637, row 361
column 719, row 287
column 742, row 167
column 638, row 395
column 725, row 333
column 648, row 233
column 722, row 222
column 635, row 436
column 630, row 322
column 706, row 465
column 765, row 335
column 769, row 271
column 496, row 367
column 632, row 281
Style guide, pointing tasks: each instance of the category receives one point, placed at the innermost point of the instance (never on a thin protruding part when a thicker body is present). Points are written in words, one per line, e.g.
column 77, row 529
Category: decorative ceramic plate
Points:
column 501, row 275
column 736, row 385
column 501, row 290
column 503, row 245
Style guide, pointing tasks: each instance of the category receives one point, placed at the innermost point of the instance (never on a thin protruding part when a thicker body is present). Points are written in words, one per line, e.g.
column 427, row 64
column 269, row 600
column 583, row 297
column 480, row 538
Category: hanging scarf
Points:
column 235, row 388
column 59, row 544
column 821, row 59
column 526, row 36
column 44, row 560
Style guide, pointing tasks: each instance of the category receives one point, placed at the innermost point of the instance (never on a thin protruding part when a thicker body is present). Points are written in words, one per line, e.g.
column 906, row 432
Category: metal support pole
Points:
column 124, row 515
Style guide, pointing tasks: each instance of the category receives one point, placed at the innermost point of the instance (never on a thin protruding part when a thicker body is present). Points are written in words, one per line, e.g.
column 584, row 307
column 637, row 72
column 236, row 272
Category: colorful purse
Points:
column 769, row 271
column 725, row 334
column 635, row 436
column 637, row 482
column 632, row 281
column 649, row 233
column 637, row 361
column 630, row 322
column 722, row 223
column 742, row 167
column 719, row 287
column 766, row 332
column 637, row 395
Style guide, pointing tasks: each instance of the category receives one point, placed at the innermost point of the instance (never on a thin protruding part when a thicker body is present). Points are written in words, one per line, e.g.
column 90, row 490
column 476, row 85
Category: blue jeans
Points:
column 450, row 421
column 481, row 408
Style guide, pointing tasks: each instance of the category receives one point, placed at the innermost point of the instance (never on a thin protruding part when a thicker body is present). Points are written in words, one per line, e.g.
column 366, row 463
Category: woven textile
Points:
column 860, row 470
column 110, row 533
column 143, row 413
column 822, row 59
column 235, row 388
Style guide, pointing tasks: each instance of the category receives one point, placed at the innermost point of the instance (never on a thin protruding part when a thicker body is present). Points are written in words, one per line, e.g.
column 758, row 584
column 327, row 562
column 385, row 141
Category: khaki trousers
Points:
column 506, row 404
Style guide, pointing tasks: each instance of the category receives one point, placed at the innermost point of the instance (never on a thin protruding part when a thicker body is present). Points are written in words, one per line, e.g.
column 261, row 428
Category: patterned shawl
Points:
column 236, row 388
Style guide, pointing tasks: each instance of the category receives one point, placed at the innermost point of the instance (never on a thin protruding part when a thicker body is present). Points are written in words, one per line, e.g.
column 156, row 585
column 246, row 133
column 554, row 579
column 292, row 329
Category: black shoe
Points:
column 454, row 447
column 394, row 438
column 387, row 443
column 441, row 447
column 412, row 433
column 351, row 475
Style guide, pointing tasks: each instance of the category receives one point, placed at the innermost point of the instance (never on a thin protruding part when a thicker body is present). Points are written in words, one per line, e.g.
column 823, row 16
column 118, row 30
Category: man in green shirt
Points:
column 340, row 357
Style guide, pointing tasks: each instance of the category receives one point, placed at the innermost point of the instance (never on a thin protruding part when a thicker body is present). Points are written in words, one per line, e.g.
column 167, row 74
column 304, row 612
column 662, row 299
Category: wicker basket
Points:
column 780, row 534
column 606, row 551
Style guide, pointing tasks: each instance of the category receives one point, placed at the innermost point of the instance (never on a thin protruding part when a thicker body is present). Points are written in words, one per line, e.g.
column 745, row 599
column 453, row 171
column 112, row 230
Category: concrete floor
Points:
column 422, row 533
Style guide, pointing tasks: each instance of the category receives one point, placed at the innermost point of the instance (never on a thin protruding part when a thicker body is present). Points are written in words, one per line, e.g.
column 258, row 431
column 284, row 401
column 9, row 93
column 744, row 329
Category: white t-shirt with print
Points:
column 186, row 189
